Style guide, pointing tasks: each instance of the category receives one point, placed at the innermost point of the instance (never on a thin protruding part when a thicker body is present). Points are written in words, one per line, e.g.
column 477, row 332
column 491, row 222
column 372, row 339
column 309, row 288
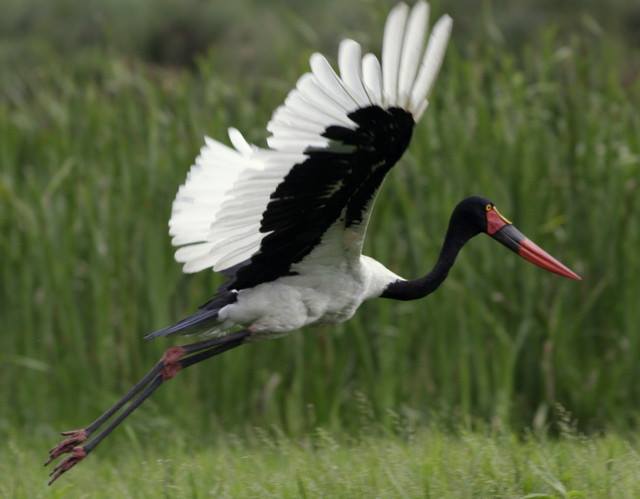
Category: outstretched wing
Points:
column 255, row 213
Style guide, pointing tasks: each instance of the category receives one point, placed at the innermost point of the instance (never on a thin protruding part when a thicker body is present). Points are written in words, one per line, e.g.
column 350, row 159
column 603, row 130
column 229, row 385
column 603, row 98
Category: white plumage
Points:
column 218, row 212
column 412, row 49
column 391, row 51
column 430, row 64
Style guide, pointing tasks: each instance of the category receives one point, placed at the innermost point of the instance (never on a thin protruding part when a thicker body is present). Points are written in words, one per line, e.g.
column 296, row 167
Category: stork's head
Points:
column 481, row 215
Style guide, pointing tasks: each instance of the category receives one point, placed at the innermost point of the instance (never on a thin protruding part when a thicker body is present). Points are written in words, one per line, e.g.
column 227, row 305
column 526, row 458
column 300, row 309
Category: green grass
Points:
column 92, row 149
column 99, row 122
column 429, row 463
column 91, row 155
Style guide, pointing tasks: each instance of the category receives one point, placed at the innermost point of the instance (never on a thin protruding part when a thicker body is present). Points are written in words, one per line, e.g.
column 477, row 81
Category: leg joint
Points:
column 173, row 355
column 171, row 362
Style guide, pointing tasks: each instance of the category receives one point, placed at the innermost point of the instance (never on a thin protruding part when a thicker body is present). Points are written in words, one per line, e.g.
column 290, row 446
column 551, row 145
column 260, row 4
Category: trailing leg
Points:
column 173, row 361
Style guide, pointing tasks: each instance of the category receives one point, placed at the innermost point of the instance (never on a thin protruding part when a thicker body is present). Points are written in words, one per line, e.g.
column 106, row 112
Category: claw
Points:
column 74, row 437
column 77, row 455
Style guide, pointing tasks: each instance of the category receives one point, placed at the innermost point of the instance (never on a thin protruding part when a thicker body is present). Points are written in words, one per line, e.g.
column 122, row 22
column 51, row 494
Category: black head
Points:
column 476, row 214
column 470, row 216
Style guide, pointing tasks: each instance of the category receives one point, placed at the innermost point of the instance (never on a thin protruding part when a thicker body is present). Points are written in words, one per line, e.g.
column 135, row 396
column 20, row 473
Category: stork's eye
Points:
column 488, row 207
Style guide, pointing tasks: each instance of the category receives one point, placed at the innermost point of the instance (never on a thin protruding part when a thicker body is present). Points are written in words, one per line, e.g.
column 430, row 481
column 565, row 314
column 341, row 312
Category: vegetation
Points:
column 430, row 463
column 95, row 141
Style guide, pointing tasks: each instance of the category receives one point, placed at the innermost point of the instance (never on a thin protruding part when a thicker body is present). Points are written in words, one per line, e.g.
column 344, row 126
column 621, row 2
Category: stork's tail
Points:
column 204, row 320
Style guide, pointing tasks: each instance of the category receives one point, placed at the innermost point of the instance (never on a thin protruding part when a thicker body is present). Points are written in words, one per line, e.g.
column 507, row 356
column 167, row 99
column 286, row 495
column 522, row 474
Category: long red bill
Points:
column 513, row 239
column 533, row 253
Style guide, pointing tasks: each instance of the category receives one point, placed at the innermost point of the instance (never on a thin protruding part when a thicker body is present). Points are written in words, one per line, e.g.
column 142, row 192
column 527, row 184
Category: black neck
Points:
column 458, row 234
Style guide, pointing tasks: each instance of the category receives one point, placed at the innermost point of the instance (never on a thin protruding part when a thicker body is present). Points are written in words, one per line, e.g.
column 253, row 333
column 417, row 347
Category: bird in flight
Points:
column 285, row 224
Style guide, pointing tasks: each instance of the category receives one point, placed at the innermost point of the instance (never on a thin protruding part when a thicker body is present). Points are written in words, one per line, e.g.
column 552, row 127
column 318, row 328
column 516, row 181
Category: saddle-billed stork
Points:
column 286, row 223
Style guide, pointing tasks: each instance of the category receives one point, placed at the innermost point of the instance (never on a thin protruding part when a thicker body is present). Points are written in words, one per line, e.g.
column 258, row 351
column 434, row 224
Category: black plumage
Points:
column 331, row 182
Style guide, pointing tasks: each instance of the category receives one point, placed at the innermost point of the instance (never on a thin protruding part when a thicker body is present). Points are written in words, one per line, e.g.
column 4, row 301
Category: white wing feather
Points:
column 432, row 61
column 412, row 49
column 372, row 78
column 217, row 212
column 392, row 50
column 350, row 64
column 329, row 80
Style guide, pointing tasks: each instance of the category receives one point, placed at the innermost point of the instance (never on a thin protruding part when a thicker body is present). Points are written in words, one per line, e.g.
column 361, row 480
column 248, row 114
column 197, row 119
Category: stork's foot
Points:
column 74, row 438
column 77, row 455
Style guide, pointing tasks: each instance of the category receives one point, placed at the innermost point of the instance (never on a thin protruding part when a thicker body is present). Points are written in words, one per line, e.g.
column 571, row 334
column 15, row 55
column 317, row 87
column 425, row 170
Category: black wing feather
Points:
column 316, row 191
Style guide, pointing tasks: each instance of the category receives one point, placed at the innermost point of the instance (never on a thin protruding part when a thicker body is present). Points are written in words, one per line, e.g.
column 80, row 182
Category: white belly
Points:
column 292, row 302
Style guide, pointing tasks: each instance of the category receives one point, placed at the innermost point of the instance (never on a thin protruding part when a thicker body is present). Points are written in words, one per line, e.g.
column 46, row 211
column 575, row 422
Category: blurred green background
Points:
column 103, row 106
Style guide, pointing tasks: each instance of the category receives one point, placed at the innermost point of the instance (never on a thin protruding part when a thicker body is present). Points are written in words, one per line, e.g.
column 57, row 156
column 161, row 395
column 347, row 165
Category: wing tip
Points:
column 239, row 142
column 446, row 21
column 400, row 6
